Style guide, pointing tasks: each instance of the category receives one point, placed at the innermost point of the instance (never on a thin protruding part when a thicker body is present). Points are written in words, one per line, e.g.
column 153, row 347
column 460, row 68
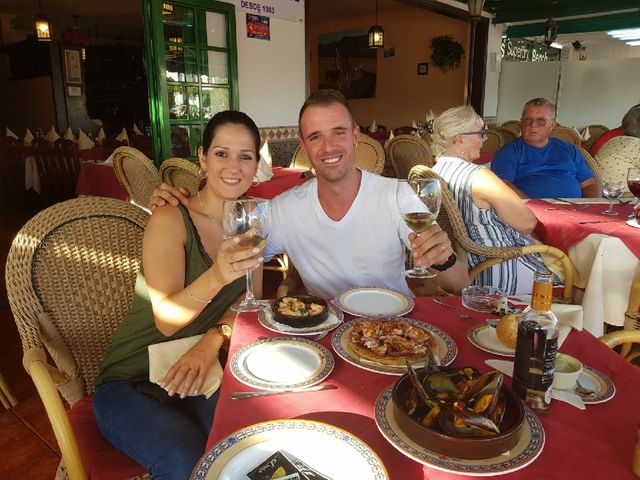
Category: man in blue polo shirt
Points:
column 536, row 165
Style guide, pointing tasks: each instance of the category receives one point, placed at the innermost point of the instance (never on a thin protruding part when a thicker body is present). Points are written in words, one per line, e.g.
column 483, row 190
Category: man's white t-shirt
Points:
column 363, row 249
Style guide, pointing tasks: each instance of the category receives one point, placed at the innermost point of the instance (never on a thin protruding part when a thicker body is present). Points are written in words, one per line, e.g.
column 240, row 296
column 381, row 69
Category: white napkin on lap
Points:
column 68, row 135
column 9, row 133
column 52, row 136
column 101, row 136
column 136, row 130
column 28, row 138
column 373, row 128
column 84, row 142
column 162, row 356
column 123, row 135
column 264, row 172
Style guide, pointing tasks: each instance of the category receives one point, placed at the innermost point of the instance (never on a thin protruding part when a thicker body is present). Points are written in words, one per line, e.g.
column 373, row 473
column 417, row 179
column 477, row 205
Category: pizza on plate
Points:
column 390, row 342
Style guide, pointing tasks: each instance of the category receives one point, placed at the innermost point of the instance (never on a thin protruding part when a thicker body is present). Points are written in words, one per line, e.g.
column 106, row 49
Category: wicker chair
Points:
column 179, row 172
column 595, row 132
column 450, row 220
column 70, row 276
column 369, row 156
column 593, row 165
column 7, row 398
column 507, row 134
column 513, row 126
column 405, row 130
column 494, row 141
column 567, row 134
column 136, row 173
column 406, row 151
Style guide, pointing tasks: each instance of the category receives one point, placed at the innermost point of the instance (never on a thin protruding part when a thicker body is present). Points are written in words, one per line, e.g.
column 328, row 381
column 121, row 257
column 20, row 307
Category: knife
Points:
column 506, row 367
column 316, row 388
column 596, row 221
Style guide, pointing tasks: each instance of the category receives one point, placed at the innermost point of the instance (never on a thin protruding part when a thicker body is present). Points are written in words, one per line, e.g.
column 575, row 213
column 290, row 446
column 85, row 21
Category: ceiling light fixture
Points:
column 376, row 33
column 167, row 9
column 550, row 31
column 41, row 24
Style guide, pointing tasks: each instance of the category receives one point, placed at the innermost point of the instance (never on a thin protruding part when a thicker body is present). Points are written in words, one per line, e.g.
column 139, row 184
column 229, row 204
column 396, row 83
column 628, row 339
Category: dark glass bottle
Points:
column 536, row 347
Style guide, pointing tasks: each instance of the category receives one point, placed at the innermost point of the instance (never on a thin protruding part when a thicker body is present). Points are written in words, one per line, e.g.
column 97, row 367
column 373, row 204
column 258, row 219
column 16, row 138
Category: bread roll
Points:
column 507, row 330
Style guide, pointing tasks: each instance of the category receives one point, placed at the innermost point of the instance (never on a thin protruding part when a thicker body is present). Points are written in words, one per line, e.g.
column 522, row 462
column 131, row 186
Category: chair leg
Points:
column 8, row 399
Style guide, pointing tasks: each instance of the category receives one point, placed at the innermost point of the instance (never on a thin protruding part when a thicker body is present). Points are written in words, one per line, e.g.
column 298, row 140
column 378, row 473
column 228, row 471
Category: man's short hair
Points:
column 540, row 102
column 631, row 122
column 324, row 98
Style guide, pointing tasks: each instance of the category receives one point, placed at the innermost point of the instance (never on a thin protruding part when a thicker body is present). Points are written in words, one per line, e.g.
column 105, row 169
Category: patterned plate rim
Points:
column 472, row 336
column 383, row 408
column 324, row 353
column 449, row 356
column 302, row 331
column 234, row 442
column 633, row 223
column 608, row 388
column 410, row 303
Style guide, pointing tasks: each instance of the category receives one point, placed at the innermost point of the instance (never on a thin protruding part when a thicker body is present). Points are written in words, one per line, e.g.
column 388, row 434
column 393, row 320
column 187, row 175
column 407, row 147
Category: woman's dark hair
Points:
column 230, row 117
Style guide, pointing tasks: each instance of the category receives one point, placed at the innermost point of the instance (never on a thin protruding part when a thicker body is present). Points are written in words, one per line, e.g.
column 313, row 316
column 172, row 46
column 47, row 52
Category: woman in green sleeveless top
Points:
column 191, row 277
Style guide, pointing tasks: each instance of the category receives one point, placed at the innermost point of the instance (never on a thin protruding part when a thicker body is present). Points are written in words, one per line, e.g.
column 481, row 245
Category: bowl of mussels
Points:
column 458, row 412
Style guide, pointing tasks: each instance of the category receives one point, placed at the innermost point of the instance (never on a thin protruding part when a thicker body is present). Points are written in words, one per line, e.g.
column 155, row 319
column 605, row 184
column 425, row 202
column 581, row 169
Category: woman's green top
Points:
column 127, row 356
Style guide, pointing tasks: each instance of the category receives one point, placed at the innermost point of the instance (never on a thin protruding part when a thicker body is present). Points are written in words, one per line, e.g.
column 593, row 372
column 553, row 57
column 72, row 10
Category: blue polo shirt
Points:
column 555, row 170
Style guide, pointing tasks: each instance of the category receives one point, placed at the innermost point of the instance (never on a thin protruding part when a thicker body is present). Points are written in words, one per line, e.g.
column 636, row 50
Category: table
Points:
column 604, row 254
column 283, row 179
column 99, row 180
column 601, row 438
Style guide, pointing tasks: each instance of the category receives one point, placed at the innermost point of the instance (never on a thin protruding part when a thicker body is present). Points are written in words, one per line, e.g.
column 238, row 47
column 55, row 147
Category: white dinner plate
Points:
column 484, row 337
column 374, row 302
column 526, row 450
column 592, row 379
column 282, row 363
column 341, row 343
column 330, row 450
column 335, row 318
column 633, row 223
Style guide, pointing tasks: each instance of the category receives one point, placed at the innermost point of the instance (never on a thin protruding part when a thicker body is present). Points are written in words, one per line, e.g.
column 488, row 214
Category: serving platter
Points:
column 282, row 363
column 332, row 451
column 374, row 302
column 526, row 450
column 484, row 337
column 335, row 318
column 341, row 343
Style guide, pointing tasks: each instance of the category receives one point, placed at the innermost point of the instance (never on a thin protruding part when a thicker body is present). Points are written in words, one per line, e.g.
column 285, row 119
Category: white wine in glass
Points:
column 419, row 203
column 245, row 217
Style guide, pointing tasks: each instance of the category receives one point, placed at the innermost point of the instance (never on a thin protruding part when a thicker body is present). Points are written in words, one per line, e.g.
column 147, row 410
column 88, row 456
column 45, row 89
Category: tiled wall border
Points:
column 279, row 133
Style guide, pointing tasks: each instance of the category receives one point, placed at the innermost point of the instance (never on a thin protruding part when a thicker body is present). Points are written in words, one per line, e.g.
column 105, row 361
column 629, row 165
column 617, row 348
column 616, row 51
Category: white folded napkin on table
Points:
column 123, row 135
column 9, row 133
column 101, row 136
column 28, row 138
column 162, row 356
column 109, row 160
column 84, row 142
column 52, row 136
column 391, row 135
column 135, row 129
column 68, row 135
column 569, row 316
column 414, row 124
column 373, row 128
column 585, row 135
column 264, row 172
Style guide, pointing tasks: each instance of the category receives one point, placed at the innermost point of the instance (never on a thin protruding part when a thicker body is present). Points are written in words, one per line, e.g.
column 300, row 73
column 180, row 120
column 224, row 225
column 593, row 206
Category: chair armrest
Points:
column 43, row 380
column 613, row 339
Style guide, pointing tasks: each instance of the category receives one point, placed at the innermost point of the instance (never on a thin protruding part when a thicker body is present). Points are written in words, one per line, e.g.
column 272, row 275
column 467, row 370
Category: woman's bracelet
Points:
column 196, row 299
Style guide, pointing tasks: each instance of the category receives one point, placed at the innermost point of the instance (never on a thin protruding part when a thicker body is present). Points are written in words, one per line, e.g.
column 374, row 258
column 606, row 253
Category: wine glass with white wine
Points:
column 245, row 218
column 419, row 203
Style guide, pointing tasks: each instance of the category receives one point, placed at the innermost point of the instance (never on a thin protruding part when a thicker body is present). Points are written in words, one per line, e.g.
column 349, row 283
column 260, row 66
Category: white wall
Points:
column 493, row 70
column 271, row 73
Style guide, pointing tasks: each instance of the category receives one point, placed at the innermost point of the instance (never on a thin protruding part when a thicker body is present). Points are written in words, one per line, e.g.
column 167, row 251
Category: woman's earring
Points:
column 202, row 173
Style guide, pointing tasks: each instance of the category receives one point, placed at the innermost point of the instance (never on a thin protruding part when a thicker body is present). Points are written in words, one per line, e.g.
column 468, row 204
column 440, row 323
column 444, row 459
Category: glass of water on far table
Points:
column 419, row 203
column 612, row 191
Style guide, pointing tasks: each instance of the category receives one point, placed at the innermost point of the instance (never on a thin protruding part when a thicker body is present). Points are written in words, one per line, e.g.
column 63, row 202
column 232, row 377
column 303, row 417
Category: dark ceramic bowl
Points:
column 301, row 321
column 460, row 446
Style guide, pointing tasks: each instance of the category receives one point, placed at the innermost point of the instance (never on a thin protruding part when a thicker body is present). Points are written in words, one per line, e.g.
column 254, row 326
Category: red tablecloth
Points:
column 96, row 154
column 99, row 180
column 596, row 443
column 283, row 179
column 559, row 224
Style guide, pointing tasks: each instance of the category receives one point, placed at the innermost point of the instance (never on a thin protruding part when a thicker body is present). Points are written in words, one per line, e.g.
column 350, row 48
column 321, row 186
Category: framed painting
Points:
column 72, row 67
column 347, row 64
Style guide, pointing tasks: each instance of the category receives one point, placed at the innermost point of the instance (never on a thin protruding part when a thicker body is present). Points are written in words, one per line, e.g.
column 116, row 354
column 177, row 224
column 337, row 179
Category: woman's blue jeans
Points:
column 167, row 440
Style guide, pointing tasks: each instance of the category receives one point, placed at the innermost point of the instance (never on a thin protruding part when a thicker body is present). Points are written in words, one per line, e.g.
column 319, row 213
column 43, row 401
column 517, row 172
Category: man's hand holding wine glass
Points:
column 431, row 247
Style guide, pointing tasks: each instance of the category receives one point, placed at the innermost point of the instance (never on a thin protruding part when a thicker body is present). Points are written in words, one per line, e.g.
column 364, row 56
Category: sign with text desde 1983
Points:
column 292, row 10
column 258, row 27
column 523, row 50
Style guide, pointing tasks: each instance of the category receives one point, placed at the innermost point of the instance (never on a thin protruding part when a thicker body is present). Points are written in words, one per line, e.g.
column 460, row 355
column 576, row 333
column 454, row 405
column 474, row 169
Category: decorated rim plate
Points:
column 335, row 318
column 526, row 450
column 341, row 343
column 592, row 379
column 374, row 302
column 332, row 451
column 633, row 223
column 484, row 337
column 282, row 363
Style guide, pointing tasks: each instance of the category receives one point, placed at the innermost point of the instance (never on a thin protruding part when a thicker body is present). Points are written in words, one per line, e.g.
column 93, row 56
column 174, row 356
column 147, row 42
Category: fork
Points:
column 460, row 313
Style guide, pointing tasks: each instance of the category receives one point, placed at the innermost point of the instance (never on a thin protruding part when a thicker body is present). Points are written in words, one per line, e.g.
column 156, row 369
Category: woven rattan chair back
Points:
column 595, row 132
column 567, row 134
column 451, row 221
column 405, row 130
column 181, row 173
column 405, row 152
column 507, row 134
column 512, row 125
column 592, row 163
column 136, row 173
column 369, row 155
column 493, row 142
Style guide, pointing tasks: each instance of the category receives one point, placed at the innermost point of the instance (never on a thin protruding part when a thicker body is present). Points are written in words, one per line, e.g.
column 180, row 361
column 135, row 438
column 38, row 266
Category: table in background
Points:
column 99, row 180
column 595, row 443
column 605, row 254
column 283, row 179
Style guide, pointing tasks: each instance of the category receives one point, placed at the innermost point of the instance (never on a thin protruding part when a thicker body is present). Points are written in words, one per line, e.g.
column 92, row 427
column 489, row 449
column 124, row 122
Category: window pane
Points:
column 178, row 24
column 216, row 30
column 214, row 100
column 195, row 139
column 214, row 68
column 177, row 101
column 181, row 64
column 180, row 141
column 193, row 100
